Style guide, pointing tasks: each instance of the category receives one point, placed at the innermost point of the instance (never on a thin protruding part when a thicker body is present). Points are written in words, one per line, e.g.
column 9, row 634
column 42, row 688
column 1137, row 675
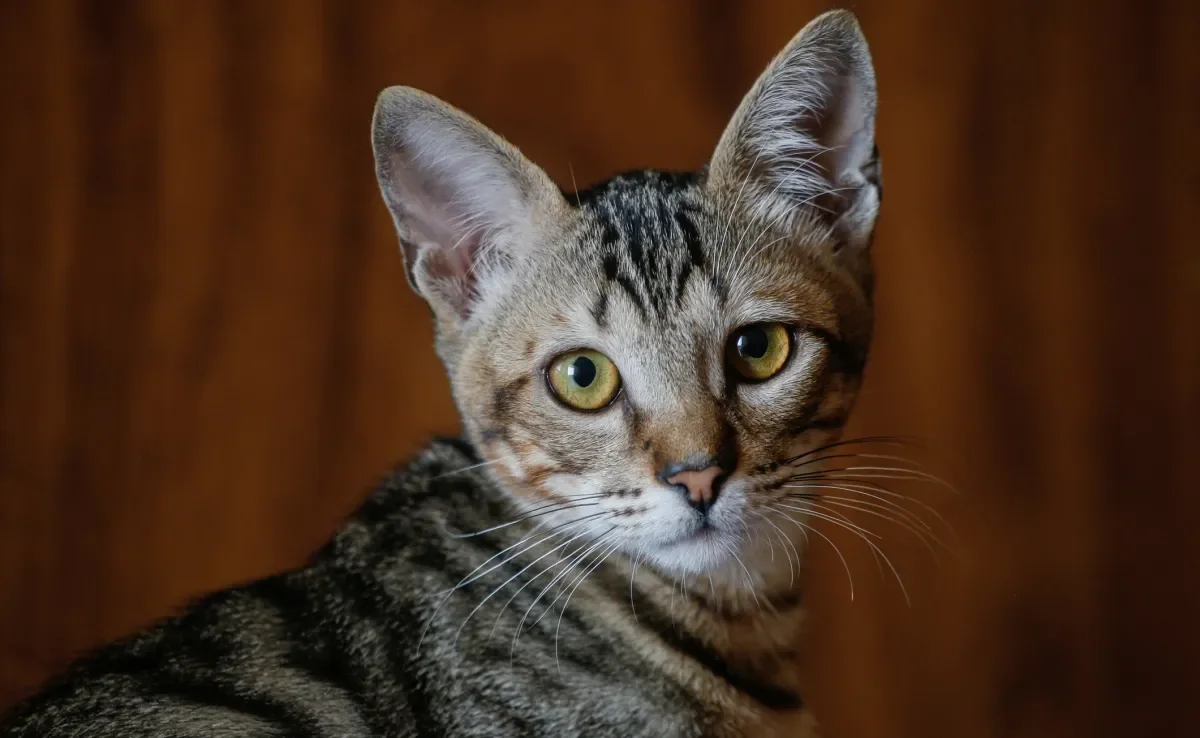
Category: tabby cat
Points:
column 644, row 369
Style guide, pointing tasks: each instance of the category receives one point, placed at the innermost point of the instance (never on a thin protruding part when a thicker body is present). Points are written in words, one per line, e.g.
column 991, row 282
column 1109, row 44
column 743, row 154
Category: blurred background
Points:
column 208, row 351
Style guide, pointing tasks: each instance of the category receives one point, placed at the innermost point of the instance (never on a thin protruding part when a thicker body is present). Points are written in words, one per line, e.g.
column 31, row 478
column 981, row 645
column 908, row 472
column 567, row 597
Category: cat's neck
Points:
column 748, row 638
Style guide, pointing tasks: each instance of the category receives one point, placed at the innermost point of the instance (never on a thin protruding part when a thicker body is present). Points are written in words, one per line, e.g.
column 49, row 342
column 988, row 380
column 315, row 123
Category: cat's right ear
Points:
column 467, row 205
column 800, row 149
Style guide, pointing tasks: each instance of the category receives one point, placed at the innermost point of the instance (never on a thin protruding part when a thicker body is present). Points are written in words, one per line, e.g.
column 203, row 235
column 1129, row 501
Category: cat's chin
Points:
column 702, row 551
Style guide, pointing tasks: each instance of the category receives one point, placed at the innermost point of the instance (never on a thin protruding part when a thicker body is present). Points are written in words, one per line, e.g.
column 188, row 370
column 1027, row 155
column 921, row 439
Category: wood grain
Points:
column 208, row 351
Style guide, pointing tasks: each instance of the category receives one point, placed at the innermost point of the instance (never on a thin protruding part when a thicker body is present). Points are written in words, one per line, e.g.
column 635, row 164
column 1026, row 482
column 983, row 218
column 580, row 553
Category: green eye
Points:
column 584, row 379
column 760, row 350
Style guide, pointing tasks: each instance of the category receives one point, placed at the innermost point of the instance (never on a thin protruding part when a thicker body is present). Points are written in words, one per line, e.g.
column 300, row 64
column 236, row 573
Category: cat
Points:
column 644, row 370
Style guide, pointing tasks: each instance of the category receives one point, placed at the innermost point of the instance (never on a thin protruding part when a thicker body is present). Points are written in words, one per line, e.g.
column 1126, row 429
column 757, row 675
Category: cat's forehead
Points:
column 642, row 237
column 648, row 211
column 659, row 241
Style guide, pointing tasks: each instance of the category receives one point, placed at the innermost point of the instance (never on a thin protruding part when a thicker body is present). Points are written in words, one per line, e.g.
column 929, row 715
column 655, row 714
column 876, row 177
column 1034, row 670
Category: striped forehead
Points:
column 645, row 237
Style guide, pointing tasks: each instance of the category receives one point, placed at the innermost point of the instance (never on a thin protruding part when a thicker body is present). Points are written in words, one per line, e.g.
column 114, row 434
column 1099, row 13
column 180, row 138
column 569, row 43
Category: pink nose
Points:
column 701, row 484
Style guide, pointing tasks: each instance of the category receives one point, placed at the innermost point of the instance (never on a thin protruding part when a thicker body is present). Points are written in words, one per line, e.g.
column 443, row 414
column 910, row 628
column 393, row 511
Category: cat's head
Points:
column 652, row 359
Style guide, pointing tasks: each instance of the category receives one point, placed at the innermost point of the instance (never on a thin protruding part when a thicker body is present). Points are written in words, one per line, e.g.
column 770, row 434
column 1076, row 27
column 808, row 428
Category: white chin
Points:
column 701, row 553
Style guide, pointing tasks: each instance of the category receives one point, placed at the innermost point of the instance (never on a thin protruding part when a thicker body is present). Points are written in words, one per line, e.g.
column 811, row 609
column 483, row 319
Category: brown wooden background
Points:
column 208, row 350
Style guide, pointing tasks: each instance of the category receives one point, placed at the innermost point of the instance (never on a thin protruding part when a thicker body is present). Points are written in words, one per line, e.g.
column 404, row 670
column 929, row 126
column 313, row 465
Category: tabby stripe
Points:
column 768, row 695
column 212, row 691
column 312, row 653
column 613, row 274
column 600, row 311
column 691, row 239
column 367, row 599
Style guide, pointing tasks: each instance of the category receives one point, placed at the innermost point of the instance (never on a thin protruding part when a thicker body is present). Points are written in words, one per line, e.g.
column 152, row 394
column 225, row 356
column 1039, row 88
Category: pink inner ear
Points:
column 454, row 268
column 461, row 258
column 446, row 242
column 845, row 130
column 452, row 192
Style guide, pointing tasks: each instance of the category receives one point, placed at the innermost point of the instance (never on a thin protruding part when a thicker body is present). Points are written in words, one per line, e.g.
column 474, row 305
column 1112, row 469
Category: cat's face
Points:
column 645, row 365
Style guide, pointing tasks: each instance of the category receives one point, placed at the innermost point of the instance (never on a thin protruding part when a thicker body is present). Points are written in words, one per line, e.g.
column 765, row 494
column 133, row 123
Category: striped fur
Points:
column 544, row 576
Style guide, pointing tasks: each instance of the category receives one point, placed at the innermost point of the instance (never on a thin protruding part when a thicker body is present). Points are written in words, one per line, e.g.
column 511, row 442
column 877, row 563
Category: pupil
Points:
column 582, row 371
column 753, row 343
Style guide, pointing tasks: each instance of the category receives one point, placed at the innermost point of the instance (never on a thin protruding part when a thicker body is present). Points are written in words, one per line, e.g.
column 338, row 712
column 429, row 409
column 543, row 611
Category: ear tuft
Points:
column 466, row 203
column 802, row 142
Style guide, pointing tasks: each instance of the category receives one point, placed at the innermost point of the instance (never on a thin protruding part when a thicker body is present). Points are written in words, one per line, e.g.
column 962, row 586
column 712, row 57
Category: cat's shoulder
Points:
column 442, row 480
column 443, row 457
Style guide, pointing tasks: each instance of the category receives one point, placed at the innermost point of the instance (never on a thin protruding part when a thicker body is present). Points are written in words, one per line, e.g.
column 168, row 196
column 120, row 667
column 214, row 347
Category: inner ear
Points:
column 848, row 154
column 465, row 202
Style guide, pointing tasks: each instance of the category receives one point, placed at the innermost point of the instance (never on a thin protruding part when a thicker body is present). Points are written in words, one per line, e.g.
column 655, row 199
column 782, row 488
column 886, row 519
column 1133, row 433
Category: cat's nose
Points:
column 700, row 485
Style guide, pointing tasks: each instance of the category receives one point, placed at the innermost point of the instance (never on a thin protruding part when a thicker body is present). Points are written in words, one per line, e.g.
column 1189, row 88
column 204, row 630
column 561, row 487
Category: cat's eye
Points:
column 584, row 379
column 759, row 351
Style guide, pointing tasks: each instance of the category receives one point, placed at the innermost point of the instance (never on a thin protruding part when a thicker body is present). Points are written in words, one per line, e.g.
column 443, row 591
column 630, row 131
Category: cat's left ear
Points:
column 801, row 147
column 467, row 205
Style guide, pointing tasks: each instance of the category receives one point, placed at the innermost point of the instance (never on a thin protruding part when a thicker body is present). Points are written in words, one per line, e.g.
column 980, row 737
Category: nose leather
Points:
column 700, row 484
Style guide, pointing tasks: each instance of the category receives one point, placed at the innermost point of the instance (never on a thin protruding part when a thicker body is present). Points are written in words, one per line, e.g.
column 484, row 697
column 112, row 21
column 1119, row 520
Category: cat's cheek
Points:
column 523, row 466
column 501, row 459
column 573, row 486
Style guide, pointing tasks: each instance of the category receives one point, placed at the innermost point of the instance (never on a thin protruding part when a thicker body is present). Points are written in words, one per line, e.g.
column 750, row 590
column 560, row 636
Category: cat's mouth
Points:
column 704, row 546
column 702, row 531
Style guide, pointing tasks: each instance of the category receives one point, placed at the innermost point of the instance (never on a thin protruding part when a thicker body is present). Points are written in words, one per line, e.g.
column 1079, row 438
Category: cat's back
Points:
column 299, row 653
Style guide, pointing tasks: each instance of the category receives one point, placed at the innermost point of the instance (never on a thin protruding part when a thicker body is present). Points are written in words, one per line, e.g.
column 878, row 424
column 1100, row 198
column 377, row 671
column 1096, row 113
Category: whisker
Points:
column 771, row 548
column 856, row 505
column 536, row 512
column 555, row 564
column 572, row 559
column 506, row 582
column 566, row 525
column 550, row 607
column 842, row 517
column 460, row 470
column 865, row 487
column 916, row 465
column 853, row 526
column 586, row 573
column 632, row 575
column 805, row 528
column 897, row 441
column 749, row 578
column 819, row 459
column 892, row 472
column 540, row 536
column 786, row 542
column 883, row 502
column 859, row 531
column 888, row 509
